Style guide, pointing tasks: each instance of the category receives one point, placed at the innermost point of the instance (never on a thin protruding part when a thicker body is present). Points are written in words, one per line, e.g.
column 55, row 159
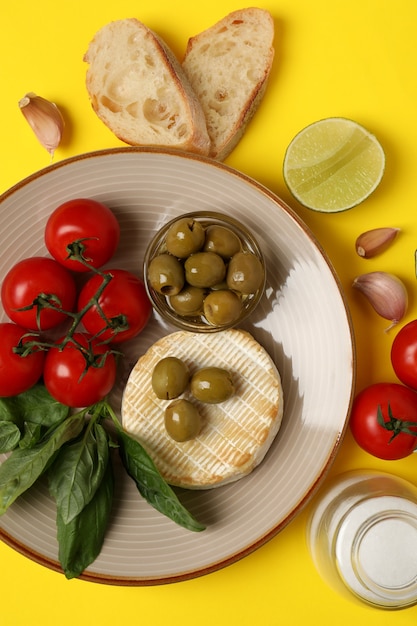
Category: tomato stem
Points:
column 395, row 425
column 76, row 251
column 26, row 348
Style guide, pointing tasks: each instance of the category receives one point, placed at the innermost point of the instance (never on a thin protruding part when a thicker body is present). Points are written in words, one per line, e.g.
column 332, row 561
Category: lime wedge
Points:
column 333, row 165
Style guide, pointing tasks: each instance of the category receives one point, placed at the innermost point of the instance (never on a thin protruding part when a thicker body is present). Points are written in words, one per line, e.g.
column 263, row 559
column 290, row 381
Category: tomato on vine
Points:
column 81, row 373
column 384, row 420
column 36, row 292
column 122, row 309
column 82, row 227
column 19, row 369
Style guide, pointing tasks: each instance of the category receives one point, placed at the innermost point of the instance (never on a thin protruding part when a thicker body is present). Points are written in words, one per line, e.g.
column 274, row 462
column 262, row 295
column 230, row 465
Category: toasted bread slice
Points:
column 236, row 434
column 228, row 66
column 139, row 90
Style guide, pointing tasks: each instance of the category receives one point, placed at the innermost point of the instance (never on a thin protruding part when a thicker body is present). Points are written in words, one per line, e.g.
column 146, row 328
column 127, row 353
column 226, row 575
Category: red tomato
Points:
column 124, row 302
column 404, row 354
column 34, row 277
column 398, row 405
column 17, row 373
column 70, row 381
column 86, row 221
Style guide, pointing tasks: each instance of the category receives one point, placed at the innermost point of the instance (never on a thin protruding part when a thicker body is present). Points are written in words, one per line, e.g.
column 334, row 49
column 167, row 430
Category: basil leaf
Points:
column 78, row 470
column 151, row 485
column 9, row 411
column 9, row 436
column 80, row 541
column 38, row 406
column 24, row 466
column 32, row 434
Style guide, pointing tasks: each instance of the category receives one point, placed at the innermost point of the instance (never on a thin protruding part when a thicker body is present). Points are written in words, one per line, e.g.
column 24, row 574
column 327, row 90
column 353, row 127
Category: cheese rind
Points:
column 236, row 434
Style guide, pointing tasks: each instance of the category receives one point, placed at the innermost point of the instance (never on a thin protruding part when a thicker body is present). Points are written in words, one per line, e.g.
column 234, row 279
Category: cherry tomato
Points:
column 88, row 222
column 404, row 354
column 398, row 408
column 33, row 278
column 17, row 372
column 124, row 302
column 70, row 380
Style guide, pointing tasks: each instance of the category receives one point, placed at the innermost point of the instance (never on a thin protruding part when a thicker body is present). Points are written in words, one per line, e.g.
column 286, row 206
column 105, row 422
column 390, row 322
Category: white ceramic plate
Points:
column 302, row 321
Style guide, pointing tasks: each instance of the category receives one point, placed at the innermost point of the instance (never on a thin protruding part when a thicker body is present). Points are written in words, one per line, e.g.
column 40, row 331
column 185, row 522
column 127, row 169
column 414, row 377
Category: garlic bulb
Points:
column 373, row 242
column 44, row 118
column 386, row 293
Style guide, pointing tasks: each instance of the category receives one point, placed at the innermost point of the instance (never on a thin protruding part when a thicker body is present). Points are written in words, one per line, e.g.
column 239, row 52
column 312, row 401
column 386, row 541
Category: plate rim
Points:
column 221, row 563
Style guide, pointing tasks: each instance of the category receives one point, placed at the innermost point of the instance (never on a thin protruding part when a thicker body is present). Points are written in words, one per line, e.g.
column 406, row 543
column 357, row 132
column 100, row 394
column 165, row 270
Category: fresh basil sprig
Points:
column 77, row 472
column 74, row 449
column 151, row 485
column 24, row 466
column 32, row 414
column 80, row 540
column 37, row 406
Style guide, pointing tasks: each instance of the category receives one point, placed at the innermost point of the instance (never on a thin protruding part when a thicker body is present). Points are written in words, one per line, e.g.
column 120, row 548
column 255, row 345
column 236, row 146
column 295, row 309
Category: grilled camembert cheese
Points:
column 236, row 434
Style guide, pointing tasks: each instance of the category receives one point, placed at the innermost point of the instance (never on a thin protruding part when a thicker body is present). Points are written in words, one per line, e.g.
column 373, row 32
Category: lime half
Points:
column 333, row 165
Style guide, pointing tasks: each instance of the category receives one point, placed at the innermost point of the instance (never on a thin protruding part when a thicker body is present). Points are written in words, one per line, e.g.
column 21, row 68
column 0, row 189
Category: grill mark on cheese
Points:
column 236, row 434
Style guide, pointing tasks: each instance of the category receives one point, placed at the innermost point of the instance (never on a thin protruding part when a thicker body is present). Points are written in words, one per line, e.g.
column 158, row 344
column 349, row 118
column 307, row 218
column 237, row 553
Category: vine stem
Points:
column 106, row 410
column 75, row 252
column 77, row 317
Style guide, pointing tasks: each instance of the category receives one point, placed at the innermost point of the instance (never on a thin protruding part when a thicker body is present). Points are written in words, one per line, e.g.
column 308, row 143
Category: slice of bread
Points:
column 236, row 434
column 228, row 66
column 139, row 90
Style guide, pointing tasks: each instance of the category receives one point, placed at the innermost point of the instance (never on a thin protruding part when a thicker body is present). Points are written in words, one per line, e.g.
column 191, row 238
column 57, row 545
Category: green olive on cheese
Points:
column 182, row 420
column 212, row 385
column 170, row 378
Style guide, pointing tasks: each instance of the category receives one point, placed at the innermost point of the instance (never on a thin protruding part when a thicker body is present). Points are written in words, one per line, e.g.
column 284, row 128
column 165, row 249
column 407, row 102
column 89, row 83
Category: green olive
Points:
column 204, row 269
column 166, row 274
column 219, row 286
column 182, row 420
column 222, row 307
column 245, row 273
column 212, row 385
column 221, row 240
column 170, row 378
column 189, row 301
column 184, row 237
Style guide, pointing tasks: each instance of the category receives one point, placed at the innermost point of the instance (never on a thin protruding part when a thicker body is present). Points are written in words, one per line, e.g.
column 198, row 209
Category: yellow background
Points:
column 353, row 58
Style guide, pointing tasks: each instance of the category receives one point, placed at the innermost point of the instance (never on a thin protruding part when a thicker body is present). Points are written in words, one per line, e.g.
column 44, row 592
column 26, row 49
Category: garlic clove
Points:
column 373, row 242
column 386, row 293
column 44, row 118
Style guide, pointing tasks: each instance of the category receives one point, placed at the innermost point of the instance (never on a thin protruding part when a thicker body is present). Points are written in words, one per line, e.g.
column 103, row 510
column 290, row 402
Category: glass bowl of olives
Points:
column 204, row 272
